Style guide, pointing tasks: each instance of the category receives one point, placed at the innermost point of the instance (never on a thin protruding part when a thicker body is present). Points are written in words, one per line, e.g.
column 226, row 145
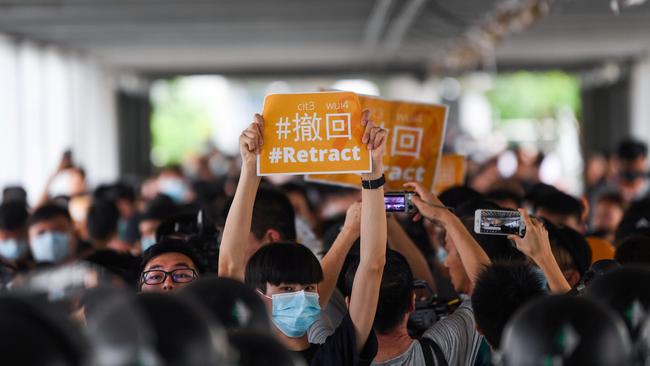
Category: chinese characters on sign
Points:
column 313, row 133
column 415, row 138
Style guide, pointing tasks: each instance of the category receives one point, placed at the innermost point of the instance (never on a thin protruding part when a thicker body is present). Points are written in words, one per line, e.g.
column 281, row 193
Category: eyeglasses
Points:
column 179, row 275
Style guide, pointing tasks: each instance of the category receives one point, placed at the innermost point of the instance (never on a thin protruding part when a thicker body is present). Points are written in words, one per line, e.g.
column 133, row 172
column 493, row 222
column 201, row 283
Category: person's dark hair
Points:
column 634, row 250
column 123, row 265
column 300, row 188
column 636, row 220
column 114, row 192
column 160, row 208
column 500, row 290
column 469, row 207
column 395, row 293
column 178, row 226
column 537, row 190
column 273, row 210
column 573, row 243
column 631, row 149
column 612, row 197
column 102, row 220
column 454, row 196
column 14, row 194
column 48, row 212
column 13, row 216
column 285, row 262
column 505, row 195
column 558, row 202
column 170, row 246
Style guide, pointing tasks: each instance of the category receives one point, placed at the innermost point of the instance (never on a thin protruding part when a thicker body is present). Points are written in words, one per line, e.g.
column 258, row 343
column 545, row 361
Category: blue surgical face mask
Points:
column 147, row 241
column 13, row 249
column 51, row 246
column 174, row 188
column 294, row 312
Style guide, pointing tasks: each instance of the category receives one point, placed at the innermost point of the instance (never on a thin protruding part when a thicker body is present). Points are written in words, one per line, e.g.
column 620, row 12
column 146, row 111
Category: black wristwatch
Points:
column 373, row 184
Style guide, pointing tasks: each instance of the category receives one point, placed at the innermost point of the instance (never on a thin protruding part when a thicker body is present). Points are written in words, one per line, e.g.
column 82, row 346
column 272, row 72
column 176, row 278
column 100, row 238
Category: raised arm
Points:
column 333, row 261
column 401, row 242
column 367, row 280
column 535, row 244
column 232, row 254
column 471, row 254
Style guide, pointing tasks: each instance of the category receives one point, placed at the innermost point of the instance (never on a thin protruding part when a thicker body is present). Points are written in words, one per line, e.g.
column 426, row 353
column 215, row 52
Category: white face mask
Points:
column 51, row 247
column 13, row 249
column 147, row 242
column 174, row 188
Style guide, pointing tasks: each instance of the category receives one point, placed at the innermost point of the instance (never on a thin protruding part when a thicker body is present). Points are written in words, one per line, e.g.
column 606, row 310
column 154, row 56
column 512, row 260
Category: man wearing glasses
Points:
column 168, row 266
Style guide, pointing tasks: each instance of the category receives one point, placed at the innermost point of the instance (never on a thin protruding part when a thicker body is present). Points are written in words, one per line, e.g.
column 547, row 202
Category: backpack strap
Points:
column 432, row 353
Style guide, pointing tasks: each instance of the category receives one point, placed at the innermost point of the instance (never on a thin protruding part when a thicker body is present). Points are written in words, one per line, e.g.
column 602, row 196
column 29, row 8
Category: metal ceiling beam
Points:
column 400, row 26
column 375, row 26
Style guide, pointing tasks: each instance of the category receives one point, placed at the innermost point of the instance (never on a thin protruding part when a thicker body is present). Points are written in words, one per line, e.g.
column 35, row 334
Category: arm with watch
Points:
column 367, row 280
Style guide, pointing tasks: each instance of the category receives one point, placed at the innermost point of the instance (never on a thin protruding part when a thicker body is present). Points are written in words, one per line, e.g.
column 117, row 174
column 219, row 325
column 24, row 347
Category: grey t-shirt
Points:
column 329, row 319
column 456, row 336
column 412, row 357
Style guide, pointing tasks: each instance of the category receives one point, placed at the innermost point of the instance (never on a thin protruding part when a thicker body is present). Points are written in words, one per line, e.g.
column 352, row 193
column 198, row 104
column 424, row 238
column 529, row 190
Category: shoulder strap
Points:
column 432, row 353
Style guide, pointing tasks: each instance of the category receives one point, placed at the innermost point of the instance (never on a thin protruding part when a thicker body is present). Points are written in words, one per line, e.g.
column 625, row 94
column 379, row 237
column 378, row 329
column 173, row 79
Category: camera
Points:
column 428, row 309
column 400, row 202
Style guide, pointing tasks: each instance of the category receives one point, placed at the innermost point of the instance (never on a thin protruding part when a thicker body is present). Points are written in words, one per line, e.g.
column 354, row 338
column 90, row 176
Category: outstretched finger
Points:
column 380, row 137
column 365, row 117
column 259, row 120
column 367, row 131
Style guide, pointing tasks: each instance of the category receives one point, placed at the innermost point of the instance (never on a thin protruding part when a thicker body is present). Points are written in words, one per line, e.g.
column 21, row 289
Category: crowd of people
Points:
column 209, row 264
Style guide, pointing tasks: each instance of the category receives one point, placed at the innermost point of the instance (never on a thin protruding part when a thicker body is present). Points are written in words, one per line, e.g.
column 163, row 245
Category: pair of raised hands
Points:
column 374, row 137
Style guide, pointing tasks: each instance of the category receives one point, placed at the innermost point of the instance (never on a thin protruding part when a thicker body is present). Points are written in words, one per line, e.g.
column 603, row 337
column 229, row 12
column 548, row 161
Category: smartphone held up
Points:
column 499, row 222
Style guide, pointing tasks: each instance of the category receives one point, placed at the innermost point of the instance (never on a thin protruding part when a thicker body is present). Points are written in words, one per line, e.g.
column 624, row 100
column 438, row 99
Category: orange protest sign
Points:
column 415, row 137
column 451, row 172
column 313, row 133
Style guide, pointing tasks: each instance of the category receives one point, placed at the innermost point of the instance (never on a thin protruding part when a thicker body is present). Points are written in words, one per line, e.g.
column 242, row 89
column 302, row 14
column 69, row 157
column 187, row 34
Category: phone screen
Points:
column 500, row 222
column 395, row 203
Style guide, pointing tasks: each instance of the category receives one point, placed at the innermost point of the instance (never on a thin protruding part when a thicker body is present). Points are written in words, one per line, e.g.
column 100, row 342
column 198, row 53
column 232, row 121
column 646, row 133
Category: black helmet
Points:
column 565, row 330
column 185, row 334
column 233, row 303
column 33, row 333
column 260, row 349
column 118, row 329
column 627, row 291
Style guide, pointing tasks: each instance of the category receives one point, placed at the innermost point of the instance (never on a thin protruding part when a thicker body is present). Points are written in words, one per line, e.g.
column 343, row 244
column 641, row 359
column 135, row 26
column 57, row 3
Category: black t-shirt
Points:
column 341, row 348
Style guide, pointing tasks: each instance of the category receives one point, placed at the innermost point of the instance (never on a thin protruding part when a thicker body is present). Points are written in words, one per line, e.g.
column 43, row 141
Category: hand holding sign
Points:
column 375, row 139
column 251, row 141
